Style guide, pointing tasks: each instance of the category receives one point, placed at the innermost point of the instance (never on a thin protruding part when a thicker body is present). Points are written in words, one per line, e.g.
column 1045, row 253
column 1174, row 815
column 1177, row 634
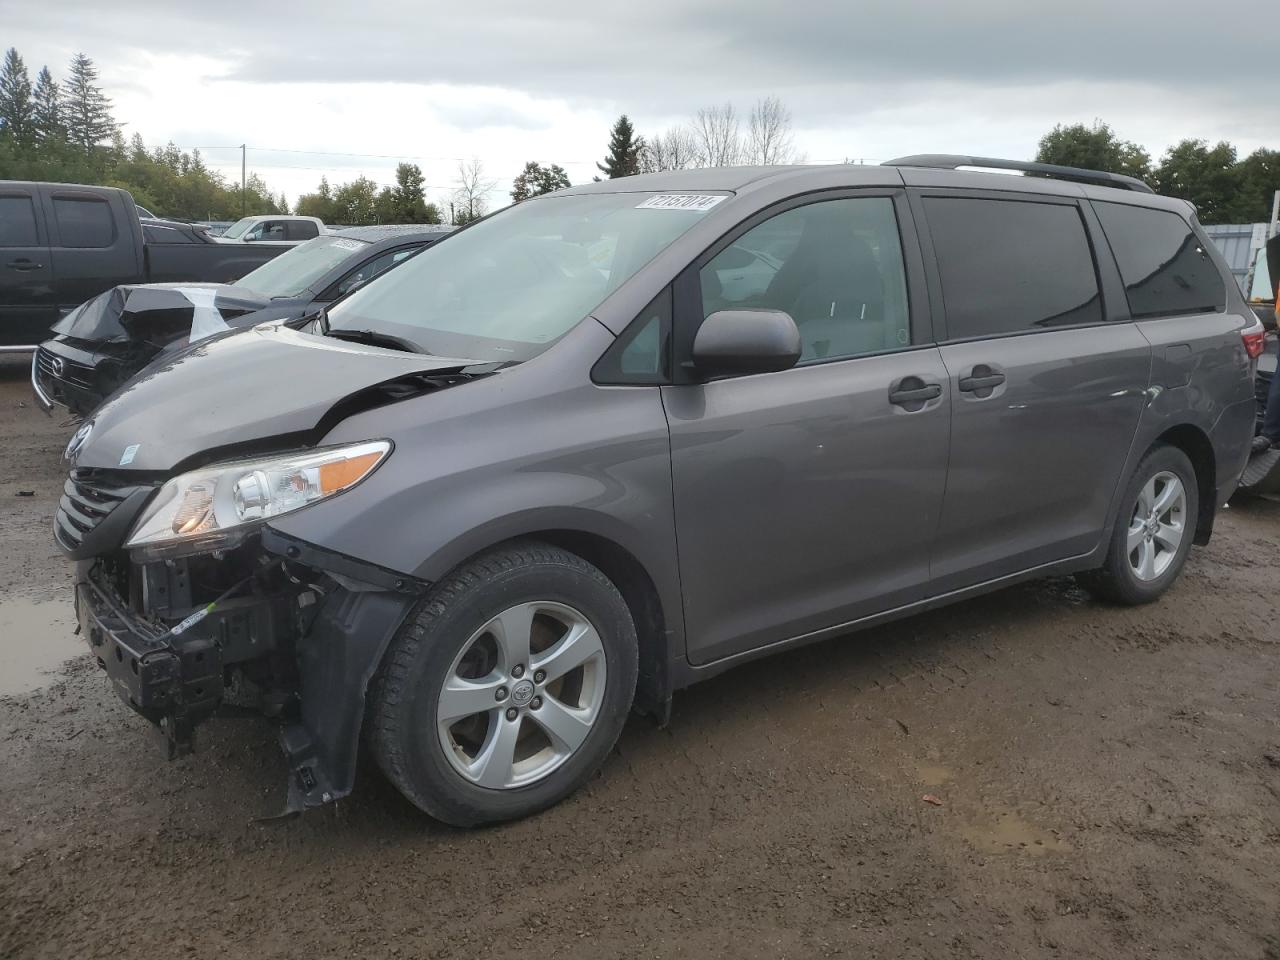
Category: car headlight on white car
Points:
column 216, row 507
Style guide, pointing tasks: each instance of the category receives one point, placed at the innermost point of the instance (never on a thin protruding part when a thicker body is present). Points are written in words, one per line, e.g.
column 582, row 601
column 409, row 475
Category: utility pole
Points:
column 244, row 166
column 1275, row 215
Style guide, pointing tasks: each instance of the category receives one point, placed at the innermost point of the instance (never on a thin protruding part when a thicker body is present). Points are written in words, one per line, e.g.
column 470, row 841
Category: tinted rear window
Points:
column 17, row 222
column 302, row 230
column 1009, row 266
column 83, row 222
column 1165, row 268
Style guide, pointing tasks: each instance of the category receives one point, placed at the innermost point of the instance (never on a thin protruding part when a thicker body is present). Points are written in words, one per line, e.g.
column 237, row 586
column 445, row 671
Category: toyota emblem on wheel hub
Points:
column 522, row 693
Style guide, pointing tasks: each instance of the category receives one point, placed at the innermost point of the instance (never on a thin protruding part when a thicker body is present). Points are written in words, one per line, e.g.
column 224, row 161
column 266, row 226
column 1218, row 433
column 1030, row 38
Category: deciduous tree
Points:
column 1094, row 148
column 675, row 149
column 1207, row 176
column 769, row 138
column 471, row 191
column 535, row 180
column 717, row 132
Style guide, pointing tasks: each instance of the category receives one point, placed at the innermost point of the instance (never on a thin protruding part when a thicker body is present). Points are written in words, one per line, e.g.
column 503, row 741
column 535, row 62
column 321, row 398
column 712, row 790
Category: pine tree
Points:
column 47, row 114
column 17, row 109
column 88, row 111
column 625, row 149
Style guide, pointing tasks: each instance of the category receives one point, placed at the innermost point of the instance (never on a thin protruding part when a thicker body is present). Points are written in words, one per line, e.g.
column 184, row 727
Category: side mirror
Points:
column 746, row 341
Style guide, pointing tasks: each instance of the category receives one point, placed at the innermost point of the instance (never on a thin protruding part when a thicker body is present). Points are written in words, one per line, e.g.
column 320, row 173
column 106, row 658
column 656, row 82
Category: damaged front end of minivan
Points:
column 195, row 606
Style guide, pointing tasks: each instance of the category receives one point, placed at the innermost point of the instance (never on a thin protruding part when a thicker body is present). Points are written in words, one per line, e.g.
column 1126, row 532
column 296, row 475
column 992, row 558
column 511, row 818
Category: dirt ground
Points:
column 1109, row 786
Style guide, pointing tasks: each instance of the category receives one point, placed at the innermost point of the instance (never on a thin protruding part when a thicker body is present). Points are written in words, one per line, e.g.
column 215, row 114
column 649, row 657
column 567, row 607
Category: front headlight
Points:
column 216, row 507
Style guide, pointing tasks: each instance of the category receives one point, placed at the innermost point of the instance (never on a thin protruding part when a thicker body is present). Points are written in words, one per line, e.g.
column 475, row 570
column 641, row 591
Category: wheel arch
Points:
column 654, row 601
column 1195, row 443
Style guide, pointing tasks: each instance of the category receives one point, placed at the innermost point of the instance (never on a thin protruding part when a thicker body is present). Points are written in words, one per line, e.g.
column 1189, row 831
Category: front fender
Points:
column 534, row 449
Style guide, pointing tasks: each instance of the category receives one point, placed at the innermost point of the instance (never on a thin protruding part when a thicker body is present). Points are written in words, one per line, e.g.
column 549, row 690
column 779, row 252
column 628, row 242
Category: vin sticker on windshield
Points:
column 680, row 201
column 348, row 244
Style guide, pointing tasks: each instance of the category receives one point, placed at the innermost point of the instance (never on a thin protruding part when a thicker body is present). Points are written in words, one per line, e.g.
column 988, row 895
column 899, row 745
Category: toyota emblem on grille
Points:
column 57, row 366
column 77, row 440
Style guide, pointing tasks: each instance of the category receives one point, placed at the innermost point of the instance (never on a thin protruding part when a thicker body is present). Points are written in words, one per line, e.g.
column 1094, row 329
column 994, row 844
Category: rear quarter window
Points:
column 1165, row 268
column 84, row 222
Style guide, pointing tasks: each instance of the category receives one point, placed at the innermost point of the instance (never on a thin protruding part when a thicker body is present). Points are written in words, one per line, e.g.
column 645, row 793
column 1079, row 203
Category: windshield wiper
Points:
column 373, row 338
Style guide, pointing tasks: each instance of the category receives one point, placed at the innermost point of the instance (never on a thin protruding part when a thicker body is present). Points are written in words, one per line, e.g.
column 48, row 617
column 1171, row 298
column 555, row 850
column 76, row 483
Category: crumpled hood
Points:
column 159, row 313
column 245, row 389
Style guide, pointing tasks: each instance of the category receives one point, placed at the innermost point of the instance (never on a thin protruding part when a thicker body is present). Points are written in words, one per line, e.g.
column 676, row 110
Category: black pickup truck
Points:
column 61, row 244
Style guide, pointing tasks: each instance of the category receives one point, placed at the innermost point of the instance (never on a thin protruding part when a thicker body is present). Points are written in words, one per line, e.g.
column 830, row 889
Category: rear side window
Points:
column 17, row 222
column 302, row 230
column 84, row 222
column 1009, row 266
column 1165, row 268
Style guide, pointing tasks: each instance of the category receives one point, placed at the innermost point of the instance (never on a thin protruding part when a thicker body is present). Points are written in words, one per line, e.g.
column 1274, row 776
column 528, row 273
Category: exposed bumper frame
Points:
column 177, row 681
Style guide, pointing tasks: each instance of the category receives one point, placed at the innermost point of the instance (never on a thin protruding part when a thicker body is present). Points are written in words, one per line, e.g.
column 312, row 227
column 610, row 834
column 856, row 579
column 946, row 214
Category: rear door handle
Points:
column 986, row 382
column 915, row 394
column 23, row 264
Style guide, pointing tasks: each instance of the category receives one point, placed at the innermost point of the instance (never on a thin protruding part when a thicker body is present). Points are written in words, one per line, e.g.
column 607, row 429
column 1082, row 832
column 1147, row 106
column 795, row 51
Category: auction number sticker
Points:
column 348, row 244
column 680, row 201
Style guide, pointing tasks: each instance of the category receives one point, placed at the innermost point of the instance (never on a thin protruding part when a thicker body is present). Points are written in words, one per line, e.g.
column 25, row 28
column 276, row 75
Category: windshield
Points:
column 237, row 229
column 1262, row 287
column 508, row 287
column 291, row 273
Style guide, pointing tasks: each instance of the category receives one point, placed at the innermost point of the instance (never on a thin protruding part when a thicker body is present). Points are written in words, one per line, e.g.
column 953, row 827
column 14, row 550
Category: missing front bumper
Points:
column 308, row 648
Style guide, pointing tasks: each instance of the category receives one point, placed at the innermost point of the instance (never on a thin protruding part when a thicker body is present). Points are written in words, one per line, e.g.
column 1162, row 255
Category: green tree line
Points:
column 360, row 202
column 1225, row 187
column 65, row 132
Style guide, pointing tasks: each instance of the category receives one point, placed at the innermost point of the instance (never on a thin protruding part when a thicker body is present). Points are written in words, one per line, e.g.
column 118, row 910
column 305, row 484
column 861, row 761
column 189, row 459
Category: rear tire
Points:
column 477, row 716
column 1154, row 530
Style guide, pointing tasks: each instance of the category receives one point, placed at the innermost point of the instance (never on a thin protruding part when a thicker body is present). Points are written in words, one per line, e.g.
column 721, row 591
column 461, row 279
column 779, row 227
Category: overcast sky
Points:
column 311, row 85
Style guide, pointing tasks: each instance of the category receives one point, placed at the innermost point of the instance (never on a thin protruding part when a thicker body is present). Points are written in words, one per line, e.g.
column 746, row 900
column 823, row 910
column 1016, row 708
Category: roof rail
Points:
column 949, row 161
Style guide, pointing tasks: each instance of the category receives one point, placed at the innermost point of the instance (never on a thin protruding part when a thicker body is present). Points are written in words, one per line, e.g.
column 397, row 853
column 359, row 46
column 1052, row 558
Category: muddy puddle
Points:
column 36, row 639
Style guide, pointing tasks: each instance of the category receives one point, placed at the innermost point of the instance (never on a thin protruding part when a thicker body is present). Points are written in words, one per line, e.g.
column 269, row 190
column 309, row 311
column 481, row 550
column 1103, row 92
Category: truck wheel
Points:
column 507, row 687
column 1154, row 530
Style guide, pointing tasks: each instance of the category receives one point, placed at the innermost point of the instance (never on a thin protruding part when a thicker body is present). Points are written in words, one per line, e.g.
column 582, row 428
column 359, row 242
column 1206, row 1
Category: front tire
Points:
column 1154, row 530
column 507, row 687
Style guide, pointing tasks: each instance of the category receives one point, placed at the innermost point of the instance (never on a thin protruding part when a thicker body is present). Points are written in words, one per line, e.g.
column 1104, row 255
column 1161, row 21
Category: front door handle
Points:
column 982, row 378
column 23, row 264
column 914, row 390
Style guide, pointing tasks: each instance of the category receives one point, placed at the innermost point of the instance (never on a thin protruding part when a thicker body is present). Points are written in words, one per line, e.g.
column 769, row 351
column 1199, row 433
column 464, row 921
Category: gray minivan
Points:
column 614, row 440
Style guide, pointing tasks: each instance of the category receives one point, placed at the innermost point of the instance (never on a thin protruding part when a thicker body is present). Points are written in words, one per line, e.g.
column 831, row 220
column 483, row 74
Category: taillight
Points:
column 1255, row 340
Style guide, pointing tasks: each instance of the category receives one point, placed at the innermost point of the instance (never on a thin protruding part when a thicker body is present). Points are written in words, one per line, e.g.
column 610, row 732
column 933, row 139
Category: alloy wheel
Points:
column 522, row 695
column 1157, row 526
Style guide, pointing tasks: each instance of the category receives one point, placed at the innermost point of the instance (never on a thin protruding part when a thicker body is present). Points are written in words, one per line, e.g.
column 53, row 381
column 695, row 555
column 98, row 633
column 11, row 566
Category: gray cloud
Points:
column 672, row 53
column 878, row 76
